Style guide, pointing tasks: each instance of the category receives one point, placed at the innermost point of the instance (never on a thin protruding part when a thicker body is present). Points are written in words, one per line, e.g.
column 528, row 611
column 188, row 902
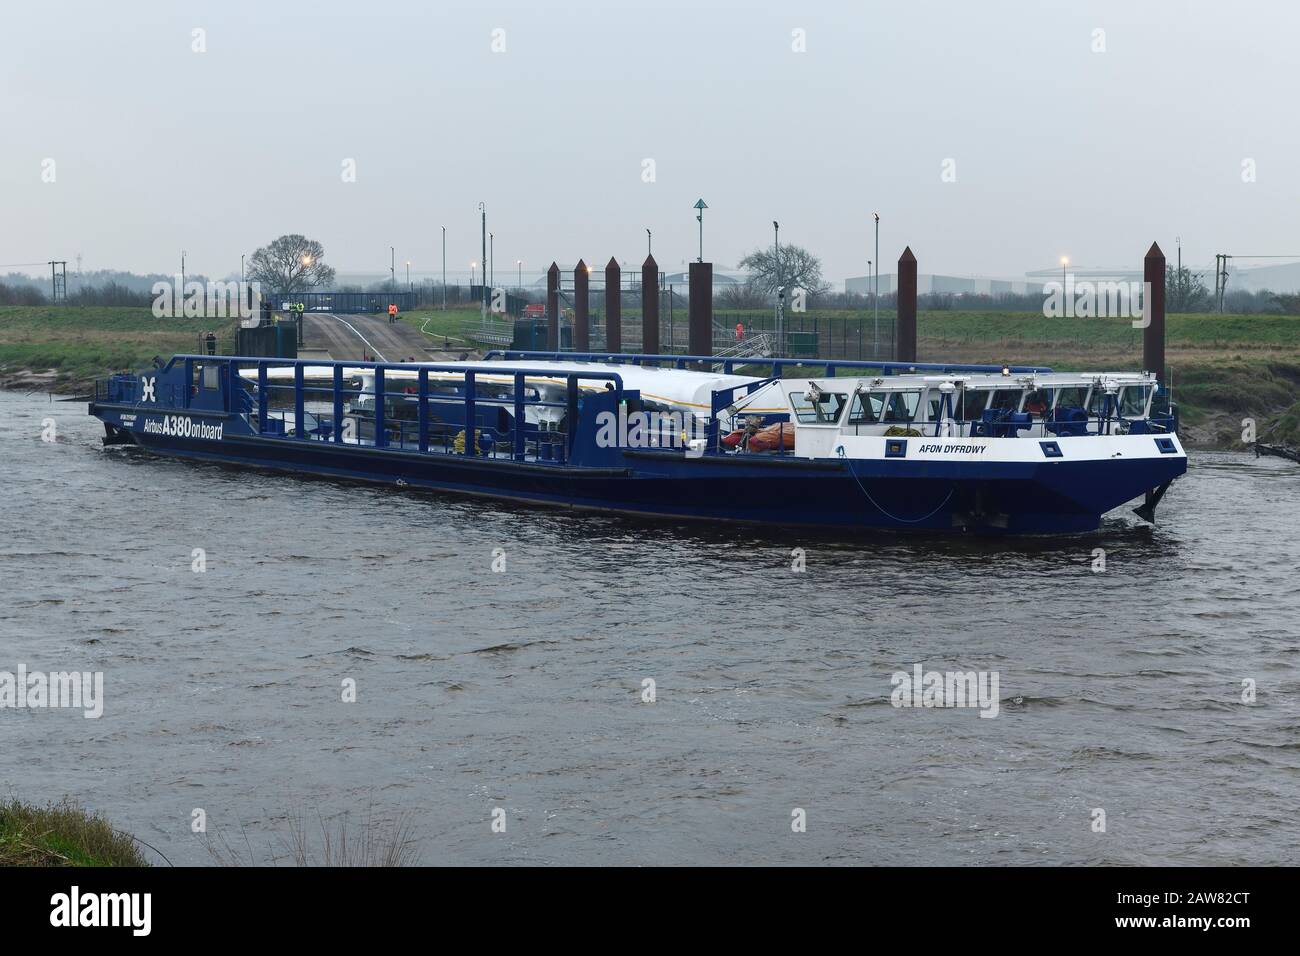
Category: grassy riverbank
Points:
column 64, row 348
column 1224, row 368
column 61, row 834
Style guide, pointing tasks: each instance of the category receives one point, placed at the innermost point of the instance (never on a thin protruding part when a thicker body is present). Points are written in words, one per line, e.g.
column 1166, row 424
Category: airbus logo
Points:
column 147, row 386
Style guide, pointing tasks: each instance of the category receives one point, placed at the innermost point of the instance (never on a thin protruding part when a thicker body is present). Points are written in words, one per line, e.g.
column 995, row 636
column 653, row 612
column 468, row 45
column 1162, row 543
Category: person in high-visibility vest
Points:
column 392, row 312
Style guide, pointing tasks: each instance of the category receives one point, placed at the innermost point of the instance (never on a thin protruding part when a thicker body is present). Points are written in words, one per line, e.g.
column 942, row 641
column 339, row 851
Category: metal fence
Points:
column 348, row 302
column 811, row 338
column 855, row 336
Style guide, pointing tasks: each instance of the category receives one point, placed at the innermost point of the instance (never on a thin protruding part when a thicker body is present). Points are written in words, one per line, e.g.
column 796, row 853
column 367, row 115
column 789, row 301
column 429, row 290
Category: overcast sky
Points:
column 1056, row 149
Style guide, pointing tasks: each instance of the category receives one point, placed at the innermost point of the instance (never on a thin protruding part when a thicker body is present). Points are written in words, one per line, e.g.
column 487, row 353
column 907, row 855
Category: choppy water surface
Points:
column 522, row 690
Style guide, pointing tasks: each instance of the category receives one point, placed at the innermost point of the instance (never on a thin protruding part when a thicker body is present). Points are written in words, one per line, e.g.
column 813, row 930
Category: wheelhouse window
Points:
column 818, row 408
column 1133, row 401
column 901, row 407
column 1097, row 402
column 1071, row 396
column 972, row 404
column 866, row 408
column 933, row 402
column 1037, row 401
column 207, row 376
column 1006, row 400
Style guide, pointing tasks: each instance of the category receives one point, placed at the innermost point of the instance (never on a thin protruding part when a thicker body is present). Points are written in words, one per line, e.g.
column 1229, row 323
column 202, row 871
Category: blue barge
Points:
column 838, row 445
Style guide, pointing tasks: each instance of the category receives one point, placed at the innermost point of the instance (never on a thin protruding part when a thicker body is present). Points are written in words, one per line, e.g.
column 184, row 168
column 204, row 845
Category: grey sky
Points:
column 1058, row 150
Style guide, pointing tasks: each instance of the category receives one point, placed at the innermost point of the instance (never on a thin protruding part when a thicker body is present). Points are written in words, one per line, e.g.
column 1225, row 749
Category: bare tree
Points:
column 1289, row 304
column 1184, row 291
column 291, row 263
column 742, row 295
column 793, row 267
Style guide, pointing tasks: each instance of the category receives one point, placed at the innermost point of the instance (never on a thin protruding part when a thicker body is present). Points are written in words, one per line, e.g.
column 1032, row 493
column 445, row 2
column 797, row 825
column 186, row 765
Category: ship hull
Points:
column 1014, row 497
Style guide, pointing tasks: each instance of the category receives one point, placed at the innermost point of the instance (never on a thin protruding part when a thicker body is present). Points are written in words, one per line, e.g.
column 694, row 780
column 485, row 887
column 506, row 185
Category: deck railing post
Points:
column 189, row 382
column 423, row 396
column 381, row 439
column 299, row 409
column 338, row 402
column 520, row 446
column 261, row 397
column 571, row 418
column 471, row 432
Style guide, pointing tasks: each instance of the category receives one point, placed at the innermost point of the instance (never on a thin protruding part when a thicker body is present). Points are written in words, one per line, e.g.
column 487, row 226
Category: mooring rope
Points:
column 893, row 517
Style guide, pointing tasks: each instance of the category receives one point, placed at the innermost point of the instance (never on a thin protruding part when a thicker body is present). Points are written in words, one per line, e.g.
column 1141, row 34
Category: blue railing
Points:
column 549, row 445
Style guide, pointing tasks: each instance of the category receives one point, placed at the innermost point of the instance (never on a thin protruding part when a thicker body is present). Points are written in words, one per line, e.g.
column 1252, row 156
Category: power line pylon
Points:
column 58, row 280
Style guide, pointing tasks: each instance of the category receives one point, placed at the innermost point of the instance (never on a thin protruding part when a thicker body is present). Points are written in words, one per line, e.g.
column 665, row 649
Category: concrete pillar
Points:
column 650, row 306
column 553, row 308
column 613, row 307
column 701, row 308
column 1153, row 336
column 581, row 305
column 905, row 329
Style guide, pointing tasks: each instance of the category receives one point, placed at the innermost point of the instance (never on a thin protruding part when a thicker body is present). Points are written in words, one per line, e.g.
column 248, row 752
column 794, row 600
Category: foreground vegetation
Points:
column 65, row 348
column 1223, row 367
column 61, row 834
column 371, row 839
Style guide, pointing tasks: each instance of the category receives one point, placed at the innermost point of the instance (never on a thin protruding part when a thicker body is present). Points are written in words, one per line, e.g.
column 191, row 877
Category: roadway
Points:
column 352, row 337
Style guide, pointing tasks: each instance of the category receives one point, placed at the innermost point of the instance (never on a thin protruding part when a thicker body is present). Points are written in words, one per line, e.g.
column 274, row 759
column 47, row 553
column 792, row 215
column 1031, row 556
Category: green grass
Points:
column 1181, row 331
column 81, row 343
column 1013, row 329
column 1283, row 428
column 61, row 834
column 438, row 323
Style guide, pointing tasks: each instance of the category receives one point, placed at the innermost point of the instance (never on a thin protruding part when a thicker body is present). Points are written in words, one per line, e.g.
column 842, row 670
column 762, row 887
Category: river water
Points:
column 522, row 690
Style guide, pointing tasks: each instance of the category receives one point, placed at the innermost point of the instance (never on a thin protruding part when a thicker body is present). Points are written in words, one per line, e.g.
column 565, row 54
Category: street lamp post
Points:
column 520, row 264
column 306, row 264
column 482, row 208
column 444, row 268
column 392, row 269
column 408, row 275
column 876, row 291
column 700, row 206
column 492, row 260
column 1065, row 261
column 780, row 284
column 648, row 242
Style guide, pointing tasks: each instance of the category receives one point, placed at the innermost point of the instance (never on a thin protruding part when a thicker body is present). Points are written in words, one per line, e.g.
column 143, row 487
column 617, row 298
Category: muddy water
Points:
column 523, row 689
